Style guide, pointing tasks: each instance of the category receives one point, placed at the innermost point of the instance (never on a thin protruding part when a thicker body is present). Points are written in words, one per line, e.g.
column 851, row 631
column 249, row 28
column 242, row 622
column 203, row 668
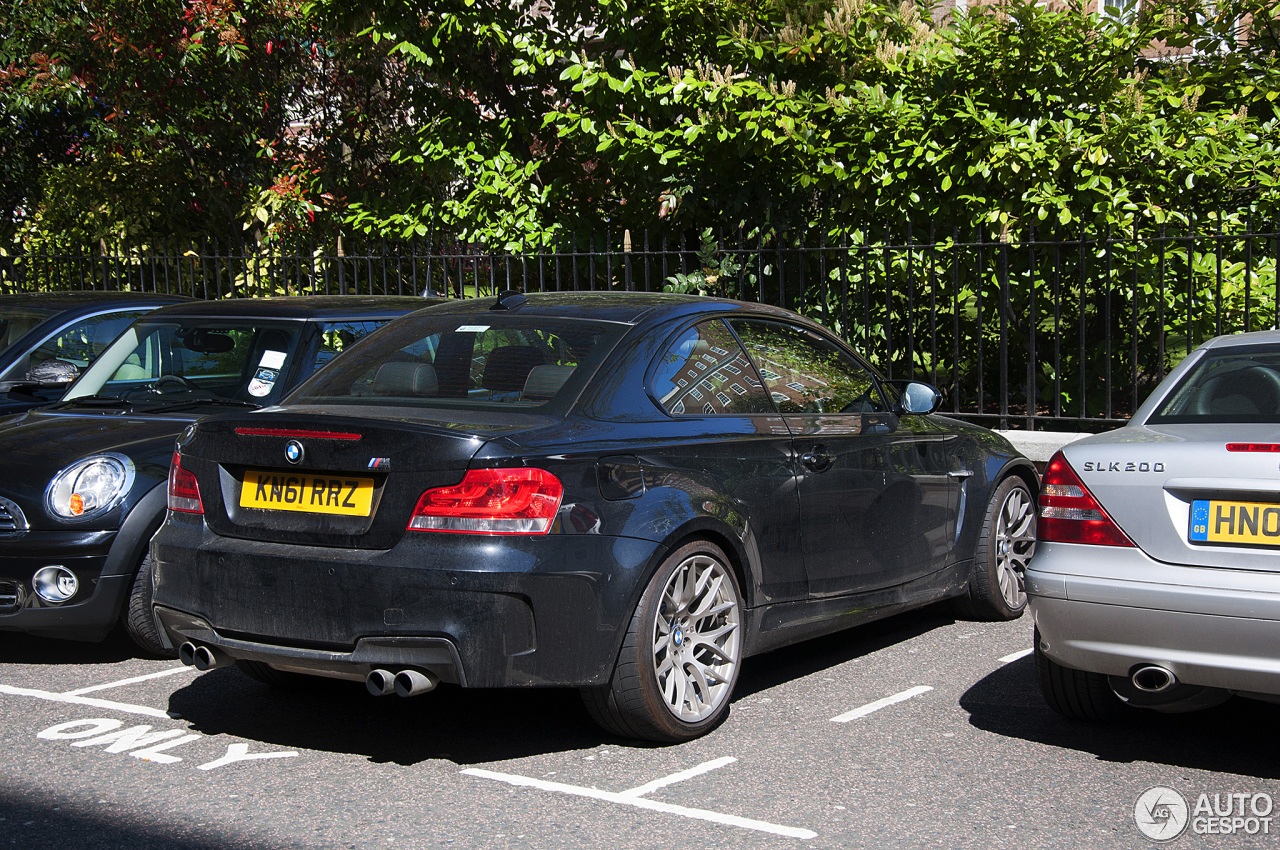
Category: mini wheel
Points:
column 139, row 620
column 680, row 657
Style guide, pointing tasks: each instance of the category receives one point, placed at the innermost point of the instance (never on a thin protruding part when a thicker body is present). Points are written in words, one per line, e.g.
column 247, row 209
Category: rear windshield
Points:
column 1228, row 385
column 475, row 362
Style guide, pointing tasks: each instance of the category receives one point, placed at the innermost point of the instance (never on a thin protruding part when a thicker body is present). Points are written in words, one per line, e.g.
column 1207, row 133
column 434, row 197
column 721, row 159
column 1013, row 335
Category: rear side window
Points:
column 337, row 337
column 1231, row 385
column 705, row 373
column 484, row 362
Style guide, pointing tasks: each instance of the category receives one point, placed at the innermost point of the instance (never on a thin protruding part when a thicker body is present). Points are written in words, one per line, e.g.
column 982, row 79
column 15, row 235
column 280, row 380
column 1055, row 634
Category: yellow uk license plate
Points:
column 1244, row 523
column 316, row 494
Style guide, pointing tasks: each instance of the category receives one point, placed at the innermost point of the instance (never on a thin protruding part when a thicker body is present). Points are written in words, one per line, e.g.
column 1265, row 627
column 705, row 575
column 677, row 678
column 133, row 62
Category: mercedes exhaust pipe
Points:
column 380, row 682
column 1151, row 679
column 410, row 683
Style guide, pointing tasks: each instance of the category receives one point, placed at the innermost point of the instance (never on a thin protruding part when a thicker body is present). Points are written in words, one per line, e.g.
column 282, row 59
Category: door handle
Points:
column 817, row 459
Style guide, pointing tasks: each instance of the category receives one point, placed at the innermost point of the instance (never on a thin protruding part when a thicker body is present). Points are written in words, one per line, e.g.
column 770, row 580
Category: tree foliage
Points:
column 513, row 122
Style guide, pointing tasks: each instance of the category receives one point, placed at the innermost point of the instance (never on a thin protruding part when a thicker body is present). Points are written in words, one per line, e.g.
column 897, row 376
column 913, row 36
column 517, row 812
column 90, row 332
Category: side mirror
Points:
column 919, row 398
column 53, row 372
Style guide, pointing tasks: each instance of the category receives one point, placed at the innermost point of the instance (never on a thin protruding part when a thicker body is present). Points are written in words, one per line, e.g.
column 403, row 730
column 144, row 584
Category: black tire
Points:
column 139, row 620
column 1006, row 543
column 650, row 697
column 1076, row 694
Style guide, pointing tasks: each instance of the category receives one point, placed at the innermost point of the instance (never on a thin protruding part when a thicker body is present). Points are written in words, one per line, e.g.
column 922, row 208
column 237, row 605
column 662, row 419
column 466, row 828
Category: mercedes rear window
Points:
column 486, row 362
column 1227, row 385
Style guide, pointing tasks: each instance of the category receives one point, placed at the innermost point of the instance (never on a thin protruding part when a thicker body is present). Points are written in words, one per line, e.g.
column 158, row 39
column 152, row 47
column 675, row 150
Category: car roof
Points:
column 299, row 307
column 624, row 307
column 90, row 300
column 1240, row 339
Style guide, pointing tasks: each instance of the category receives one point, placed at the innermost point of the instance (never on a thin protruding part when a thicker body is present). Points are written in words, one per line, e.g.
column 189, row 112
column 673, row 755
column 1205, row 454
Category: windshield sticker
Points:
column 272, row 359
column 263, row 381
column 472, row 329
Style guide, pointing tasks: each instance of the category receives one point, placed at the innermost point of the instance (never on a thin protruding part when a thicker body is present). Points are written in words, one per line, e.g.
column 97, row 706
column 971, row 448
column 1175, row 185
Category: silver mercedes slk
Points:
column 1156, row 579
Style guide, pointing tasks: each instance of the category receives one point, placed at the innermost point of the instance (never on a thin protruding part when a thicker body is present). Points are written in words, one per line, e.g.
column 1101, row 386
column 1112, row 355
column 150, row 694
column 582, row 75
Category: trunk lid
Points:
column 349, row 478
column 1151, row 478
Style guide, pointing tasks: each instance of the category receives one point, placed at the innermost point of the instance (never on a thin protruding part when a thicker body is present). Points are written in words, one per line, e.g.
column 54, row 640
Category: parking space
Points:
column 920, row 731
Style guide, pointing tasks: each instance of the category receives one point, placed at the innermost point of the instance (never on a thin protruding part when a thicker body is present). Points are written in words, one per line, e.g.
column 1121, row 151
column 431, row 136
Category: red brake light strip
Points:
column 1253, row 447
column 285, row 432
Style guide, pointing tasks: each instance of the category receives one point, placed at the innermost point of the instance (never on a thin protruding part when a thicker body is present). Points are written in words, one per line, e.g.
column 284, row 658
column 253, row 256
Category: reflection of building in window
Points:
column 709, row 386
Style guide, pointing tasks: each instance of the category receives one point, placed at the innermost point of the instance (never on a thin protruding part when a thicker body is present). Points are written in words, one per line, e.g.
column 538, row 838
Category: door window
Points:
column 805, row 372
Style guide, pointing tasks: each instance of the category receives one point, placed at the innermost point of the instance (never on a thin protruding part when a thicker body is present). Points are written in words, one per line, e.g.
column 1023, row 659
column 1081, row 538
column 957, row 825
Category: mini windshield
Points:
column 177, row 360
column 483, row 362
column 1226, row 385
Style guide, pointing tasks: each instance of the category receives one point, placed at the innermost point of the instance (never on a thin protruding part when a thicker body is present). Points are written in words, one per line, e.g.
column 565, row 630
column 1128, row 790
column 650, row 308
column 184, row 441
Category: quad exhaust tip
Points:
column 380, row 682
column 203, row 657
column 406, row 683
column 1152, row 679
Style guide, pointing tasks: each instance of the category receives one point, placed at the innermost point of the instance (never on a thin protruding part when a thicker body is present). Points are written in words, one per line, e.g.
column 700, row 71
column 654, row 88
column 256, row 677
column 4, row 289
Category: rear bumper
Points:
column 1106, row 609
column 480, row 611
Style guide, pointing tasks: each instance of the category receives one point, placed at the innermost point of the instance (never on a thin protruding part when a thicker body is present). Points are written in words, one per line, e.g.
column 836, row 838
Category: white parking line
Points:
column 705, row 767
column 1014, row 656
column 881, row 703
column 632, row 798
column 134, row 680
column 79, row 700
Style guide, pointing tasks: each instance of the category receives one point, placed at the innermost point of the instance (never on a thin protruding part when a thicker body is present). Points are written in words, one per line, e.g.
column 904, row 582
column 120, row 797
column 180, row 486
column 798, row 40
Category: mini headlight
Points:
column 90, row 486
column 55, row 584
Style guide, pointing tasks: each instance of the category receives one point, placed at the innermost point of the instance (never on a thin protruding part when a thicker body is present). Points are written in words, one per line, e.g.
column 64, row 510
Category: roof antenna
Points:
column 509, row 299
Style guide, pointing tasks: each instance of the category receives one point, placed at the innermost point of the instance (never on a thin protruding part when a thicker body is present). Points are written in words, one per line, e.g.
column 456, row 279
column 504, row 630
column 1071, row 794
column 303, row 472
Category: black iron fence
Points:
column 1029, row 329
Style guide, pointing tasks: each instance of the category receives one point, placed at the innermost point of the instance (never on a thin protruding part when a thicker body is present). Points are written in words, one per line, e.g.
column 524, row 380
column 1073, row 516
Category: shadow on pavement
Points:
column 19, row 648
column 762, row 672
column 41, row 824
column 472, row 726
column 460, row 725
column 1229, row 738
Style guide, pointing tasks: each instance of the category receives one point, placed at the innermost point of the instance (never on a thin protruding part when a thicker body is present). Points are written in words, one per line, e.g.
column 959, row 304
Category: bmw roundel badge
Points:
column 293, row 451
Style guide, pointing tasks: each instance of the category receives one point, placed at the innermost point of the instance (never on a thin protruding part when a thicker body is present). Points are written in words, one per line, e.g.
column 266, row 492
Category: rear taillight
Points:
column 491, row 501
column 184, row 492
column 1070, row 514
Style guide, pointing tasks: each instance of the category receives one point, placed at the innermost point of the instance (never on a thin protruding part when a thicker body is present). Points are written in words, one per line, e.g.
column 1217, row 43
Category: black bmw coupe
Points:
column 628, row 494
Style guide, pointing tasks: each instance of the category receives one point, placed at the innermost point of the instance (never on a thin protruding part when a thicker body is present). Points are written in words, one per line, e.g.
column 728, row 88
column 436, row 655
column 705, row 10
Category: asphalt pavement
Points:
column 919, row 731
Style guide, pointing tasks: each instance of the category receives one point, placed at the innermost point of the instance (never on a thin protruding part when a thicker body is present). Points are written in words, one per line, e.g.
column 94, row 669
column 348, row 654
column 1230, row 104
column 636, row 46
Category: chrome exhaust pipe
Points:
column 380, row 682
column 187, row 654
column 1151, row 679
column 410, row 683
column 207, row 658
